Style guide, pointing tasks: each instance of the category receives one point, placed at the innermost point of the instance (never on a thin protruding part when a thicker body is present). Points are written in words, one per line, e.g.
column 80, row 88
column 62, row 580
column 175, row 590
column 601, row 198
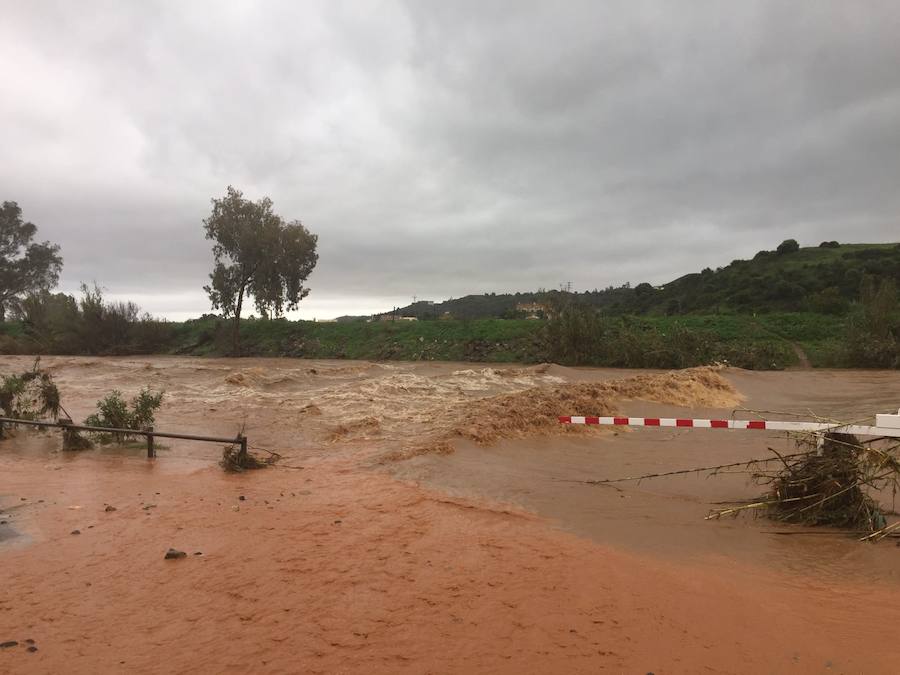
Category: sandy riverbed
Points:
column 350, row 558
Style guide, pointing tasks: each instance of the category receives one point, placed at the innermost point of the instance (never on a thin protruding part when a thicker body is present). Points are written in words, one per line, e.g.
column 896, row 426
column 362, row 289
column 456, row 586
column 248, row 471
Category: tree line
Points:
column 257, row 254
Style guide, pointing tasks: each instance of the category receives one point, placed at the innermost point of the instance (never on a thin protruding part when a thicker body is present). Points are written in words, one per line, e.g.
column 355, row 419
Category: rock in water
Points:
column 173, row 554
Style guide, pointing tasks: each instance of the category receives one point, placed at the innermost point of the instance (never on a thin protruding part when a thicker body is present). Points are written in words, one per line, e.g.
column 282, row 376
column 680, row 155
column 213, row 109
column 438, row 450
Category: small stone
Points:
column 198, row 553
column 242, row 498
column 6, row 645
column 24, row 499
column 32, row 649
column 76, row 531
column 173, row 554
column 109, row 508
column 338, row 522
column 29, row 641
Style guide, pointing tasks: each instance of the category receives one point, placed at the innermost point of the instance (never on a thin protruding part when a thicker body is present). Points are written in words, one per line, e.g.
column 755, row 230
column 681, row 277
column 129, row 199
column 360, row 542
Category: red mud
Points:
column 360, row 573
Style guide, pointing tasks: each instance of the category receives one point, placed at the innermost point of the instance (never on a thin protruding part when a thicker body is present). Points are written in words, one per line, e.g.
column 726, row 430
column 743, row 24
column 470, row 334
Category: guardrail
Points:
column 149, row 432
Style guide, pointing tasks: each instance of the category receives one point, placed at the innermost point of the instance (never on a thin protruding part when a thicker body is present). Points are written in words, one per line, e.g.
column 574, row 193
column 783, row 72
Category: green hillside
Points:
column 823, row 279
column 826, row 306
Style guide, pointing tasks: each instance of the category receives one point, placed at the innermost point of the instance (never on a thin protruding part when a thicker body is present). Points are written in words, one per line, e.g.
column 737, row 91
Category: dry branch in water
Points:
column 237, row 458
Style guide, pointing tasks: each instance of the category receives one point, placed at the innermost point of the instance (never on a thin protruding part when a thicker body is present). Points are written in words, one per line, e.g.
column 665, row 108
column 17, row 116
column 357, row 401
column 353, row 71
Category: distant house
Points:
column 395, row 317
column 534, row 310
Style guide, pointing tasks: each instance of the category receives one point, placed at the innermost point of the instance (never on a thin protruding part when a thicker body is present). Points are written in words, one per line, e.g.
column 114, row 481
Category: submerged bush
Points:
column 113, row 412
column 29, row 395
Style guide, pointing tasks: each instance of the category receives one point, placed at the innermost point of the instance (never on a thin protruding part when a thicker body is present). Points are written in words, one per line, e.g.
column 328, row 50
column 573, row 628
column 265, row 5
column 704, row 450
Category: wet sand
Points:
column 483, row 560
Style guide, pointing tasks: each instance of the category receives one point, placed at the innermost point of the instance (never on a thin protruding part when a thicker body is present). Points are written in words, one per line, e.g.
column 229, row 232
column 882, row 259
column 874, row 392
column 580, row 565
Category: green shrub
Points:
column 30, row 395
column 113, row 412
column 873, row 336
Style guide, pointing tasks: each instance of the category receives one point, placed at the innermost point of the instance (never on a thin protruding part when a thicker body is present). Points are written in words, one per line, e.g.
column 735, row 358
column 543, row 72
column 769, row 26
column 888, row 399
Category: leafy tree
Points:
column 25, row 266
column 256, row 254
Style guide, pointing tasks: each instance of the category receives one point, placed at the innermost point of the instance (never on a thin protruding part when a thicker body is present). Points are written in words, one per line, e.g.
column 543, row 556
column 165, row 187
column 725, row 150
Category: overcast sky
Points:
column 443, row 148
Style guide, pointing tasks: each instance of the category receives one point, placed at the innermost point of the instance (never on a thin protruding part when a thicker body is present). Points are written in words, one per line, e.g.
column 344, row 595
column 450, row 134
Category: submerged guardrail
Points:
column 149, row 432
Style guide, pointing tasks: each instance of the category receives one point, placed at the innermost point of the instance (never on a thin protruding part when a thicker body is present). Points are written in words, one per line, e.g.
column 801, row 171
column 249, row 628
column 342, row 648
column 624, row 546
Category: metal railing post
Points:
column 151, row 450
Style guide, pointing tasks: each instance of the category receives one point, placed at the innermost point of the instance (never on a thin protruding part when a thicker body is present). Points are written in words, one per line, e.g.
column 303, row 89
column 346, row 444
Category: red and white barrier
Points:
column 765, row 425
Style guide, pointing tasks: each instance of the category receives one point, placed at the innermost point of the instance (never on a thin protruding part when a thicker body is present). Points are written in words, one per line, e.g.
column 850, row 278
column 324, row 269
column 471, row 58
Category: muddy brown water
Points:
column 418, row 565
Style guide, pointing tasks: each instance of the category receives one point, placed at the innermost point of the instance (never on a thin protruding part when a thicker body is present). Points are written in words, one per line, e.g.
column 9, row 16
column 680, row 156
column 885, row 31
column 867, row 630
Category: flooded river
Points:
column 420, row 520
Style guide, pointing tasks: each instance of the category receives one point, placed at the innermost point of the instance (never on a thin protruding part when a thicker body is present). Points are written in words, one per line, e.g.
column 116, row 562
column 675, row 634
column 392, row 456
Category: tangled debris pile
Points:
column 833, row 486
column 236, row 458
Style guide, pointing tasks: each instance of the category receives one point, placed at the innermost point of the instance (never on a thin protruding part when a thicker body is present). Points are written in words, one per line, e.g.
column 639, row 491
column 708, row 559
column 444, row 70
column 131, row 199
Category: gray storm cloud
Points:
column 440, row 149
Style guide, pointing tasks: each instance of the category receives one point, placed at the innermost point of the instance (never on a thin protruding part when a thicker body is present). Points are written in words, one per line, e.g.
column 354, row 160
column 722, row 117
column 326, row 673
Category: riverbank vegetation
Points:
column 576, row 337
column 803, row 311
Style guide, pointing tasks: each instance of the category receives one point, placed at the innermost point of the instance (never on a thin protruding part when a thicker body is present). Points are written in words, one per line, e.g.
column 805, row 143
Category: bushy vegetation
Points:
column 114, row 412
column 873, row 337
column 844, row 314
column 29, row 395
column 56, row 323
column 579, row 335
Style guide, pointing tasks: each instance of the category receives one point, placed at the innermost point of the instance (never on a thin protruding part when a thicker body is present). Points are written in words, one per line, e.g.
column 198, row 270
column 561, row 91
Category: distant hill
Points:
column 823, row 279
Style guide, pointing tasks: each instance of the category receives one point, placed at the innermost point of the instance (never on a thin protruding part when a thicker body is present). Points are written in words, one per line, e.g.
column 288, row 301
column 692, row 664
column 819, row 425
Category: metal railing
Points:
column 149, row 432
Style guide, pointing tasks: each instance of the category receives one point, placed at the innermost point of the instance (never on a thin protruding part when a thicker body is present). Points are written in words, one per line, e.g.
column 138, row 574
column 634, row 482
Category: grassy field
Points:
column 765, row 341
column 478, row 340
